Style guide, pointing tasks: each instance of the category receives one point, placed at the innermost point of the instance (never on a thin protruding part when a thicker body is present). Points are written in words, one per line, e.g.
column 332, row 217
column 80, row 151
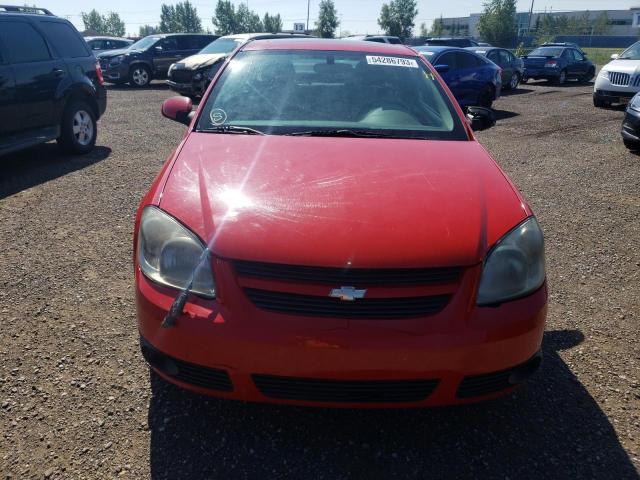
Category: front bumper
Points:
column 115, row 73
column 231, row 339
column 631, row 126
column 613, row 96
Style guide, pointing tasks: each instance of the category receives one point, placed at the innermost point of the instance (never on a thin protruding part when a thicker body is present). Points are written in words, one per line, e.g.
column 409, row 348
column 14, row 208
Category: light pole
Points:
column 308, row 7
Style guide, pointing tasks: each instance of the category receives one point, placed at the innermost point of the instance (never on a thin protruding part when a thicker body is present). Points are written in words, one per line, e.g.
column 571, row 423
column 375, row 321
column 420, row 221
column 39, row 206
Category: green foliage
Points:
column 397, row 17
column 437, row 28
column 247, row 20
column 272, row 23
column 520, row 50
column 109, row 24
column 224, row 18
column 498, row 23
column 168, row 22
column 327, row 19
column 181, row 17
column 145, row 30
column 424, row 31
column 601, row 24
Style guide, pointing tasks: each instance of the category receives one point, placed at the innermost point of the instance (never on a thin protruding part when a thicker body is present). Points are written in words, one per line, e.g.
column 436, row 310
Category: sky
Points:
column 357, row 16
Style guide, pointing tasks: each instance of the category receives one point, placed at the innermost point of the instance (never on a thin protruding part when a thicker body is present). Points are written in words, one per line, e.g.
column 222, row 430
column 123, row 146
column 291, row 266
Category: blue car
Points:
column 558, row 64
column 473, row 79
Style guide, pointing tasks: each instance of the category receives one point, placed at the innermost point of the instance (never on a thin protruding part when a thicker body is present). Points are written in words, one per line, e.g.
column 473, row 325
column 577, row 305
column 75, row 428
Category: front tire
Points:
column 631, row 145
column 139, row 76
column 515, row 80
column 486, row 97
column 79, row 129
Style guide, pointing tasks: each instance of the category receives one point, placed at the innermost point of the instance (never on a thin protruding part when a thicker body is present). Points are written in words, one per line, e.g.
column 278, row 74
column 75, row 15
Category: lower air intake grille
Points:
column 369, row 308
column 478, row 385
column 348, row 276
column 181, row 76
column 198, row 375
column 317, row 390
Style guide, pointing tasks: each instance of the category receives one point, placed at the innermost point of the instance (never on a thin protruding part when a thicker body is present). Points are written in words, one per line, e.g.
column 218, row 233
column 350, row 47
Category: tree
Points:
column 110, row 24
column 145, row 30
column 272, row 23
column 327, row 19
column 424, row 31
column 168, row 22
column 247, row 20
column 113, row 25
column 498, row 23
column 601, row 25
column 437, row 28
column 224, row 18
column 187, row 17
column 93, row 21
column 397, row 17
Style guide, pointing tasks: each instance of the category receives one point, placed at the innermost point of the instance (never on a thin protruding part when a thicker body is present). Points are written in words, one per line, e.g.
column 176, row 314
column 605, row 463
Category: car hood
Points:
column 625, row 66
column 341, row 201
column 194, row 62
column 114, row 53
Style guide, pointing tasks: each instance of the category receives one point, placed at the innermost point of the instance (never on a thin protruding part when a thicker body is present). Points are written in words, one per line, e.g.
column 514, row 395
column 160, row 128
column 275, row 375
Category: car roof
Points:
column 322, row 44
column 483, row 49
column 439, row 48
column 250, row 36
column 106, row 37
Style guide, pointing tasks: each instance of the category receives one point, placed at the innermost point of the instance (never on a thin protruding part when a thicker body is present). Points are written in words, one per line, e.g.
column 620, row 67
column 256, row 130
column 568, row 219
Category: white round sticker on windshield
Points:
column 218, row 116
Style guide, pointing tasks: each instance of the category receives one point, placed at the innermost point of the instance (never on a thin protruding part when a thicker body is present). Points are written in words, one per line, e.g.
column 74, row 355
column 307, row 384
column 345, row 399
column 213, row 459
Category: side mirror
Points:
column 615, row 56
column 442, row 68
column 178, row 109
column 157, row 50
column 480, row 118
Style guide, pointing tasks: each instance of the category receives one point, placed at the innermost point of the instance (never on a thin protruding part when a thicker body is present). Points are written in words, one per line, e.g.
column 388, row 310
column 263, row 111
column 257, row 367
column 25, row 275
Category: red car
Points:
column 329, row 232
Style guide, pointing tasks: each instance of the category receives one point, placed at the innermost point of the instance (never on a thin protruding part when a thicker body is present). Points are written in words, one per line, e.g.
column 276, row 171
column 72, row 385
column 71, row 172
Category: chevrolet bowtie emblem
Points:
column 348, row 294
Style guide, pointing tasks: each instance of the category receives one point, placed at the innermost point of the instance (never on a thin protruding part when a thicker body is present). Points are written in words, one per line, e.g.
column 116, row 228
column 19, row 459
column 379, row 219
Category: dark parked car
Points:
column 192, row 75
column 558, row 64
column 104, row 44
column 150, row 57
column 51, row 86
column 512, row 66
column 451, row 42
column 472, row 78
column 376, row 38
column 562, row 44
column 631, row 124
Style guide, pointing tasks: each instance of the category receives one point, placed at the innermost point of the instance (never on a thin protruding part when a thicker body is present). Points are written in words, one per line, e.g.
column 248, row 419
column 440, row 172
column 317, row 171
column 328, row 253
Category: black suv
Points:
column 51, row 86
column 150, row 57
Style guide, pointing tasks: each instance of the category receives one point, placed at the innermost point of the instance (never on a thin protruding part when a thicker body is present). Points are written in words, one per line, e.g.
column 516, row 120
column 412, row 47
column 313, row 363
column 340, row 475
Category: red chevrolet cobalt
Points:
column 329, row 232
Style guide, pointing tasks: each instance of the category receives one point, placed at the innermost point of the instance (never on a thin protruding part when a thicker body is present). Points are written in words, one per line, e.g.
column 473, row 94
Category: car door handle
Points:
column 57, row 72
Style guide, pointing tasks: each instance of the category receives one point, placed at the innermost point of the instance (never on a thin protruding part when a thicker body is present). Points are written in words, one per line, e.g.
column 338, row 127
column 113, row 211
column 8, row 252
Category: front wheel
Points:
column 486, row 97
column 79, row 130
column 139, row 76
column 631, row 144
column 515, row 80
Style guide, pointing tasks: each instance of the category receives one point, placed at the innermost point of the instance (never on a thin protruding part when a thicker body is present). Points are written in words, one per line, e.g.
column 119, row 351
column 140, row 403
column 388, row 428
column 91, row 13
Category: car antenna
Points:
column 177, row 307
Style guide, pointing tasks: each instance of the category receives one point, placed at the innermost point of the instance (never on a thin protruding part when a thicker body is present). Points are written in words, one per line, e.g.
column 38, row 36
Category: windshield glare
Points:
column 632, row 53
column 546, row 52
column 282, row 92
column 143, row 43
column 222, row 45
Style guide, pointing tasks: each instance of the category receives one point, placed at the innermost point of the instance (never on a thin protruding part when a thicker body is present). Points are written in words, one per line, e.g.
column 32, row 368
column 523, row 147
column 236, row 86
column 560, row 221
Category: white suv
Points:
column 619, row 80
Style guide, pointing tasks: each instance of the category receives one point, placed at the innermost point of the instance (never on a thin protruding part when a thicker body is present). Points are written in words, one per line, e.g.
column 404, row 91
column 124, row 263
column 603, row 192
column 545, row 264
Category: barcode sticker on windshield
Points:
column 392, row 61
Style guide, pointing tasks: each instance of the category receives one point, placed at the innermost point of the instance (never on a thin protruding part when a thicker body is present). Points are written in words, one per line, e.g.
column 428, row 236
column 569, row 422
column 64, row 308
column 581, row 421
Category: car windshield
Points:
column 330, row 92
column 222, row 45
column 631, row 53
column 143, row 43
column 546, row 52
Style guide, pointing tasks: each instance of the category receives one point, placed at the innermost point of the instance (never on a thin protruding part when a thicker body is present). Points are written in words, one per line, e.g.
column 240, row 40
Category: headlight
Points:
column 116, row 60
column 171, row 255
column 515, row 266
column 635, row 102
column 604, row 74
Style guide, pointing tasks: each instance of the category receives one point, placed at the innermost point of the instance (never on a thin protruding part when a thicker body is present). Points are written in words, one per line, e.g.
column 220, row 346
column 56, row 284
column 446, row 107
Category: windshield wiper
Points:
column 232, row 129
column 340, row 133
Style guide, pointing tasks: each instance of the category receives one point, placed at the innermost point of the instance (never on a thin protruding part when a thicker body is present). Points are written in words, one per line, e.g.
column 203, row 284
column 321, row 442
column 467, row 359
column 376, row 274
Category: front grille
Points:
column 488, row 383
column 347, row 276
column 198, row 375
column 369, row 308
column 181, row 76
column 320, row 390
column 636, row 81
column 104, row 64
column 620, row 79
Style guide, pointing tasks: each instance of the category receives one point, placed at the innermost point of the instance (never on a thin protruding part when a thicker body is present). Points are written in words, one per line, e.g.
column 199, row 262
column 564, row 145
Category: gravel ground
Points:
column 77, row 400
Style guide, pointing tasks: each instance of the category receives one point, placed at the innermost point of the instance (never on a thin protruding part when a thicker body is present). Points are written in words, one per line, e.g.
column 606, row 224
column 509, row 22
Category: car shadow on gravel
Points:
column 155, row 85
column 504, row 114
column 552, row 428
column 518, row 91
column 33, row 166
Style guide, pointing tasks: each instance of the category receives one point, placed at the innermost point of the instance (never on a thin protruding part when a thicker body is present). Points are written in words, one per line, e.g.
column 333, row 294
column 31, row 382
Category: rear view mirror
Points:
column 442, row 68
column 178, row 109
column 615, row 56
column 480, row 118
